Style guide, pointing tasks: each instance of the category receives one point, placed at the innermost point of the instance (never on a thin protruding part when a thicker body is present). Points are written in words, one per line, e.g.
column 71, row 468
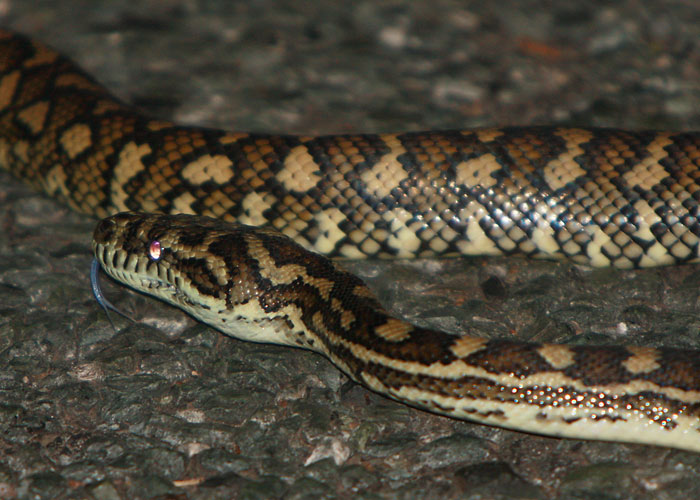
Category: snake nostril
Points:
column 104, row 230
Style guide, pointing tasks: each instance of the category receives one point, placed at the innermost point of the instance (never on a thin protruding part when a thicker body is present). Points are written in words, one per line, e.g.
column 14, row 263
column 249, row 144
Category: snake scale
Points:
column 252, row 206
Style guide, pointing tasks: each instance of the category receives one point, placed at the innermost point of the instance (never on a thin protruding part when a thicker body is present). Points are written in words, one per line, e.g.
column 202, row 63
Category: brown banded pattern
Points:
column 602, row 197
column 256, row 284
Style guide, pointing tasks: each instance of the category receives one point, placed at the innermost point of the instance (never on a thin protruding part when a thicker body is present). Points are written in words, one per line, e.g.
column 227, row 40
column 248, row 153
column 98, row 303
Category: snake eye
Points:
column 154, row 250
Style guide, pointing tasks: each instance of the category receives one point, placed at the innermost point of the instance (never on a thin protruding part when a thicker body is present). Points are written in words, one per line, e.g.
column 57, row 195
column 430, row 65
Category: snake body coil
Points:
column 598, row 196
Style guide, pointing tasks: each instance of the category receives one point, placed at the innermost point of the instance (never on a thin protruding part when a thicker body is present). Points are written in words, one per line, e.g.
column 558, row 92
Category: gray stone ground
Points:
column 168, row 408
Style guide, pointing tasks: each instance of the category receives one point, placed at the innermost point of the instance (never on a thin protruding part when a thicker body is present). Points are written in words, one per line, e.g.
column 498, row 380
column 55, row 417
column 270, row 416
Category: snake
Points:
column 245, row 231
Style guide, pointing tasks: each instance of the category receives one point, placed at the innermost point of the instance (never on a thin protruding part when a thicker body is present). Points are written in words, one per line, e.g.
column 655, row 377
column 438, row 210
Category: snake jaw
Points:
column 160, row 288
column 147, row 283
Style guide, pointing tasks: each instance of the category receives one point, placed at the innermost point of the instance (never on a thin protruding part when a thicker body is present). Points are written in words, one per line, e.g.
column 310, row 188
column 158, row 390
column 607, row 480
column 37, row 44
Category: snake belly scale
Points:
column 255, row 208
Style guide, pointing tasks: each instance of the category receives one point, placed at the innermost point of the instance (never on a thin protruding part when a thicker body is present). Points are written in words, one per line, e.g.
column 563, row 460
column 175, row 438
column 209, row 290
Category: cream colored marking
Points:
column 394, row 330
column 370, row 247
column 286, row 274
column 254, row 205
column 386, row 174
column 34, row 116
column 300, row 172
column 217, row 266
column 558, row 356
column 565, row 421
column 447, row 233
column 208, row 167
column 437, row 245
column 477, row 241
column 594, row 249
column 21, row 151
column 459, row 368
column 280, row 223
column 528, row 248
column 486, row 135
column 477, row 171
column 643, row 360
column 679, row 250
column 633, row 251
column 330, row 233
column 150, row 205
column 350, row 251
column 646, row 217
column 464, row 346
column 249, row 322
column 623, row 263
column 231, row 137
column 219, row 204
column 8, row 85
column 183, row 203
column 298, row 225
column 655, row 255
column 347, row 317
column 611, row 249
column 564, row 168
column 76, row 139
column 621, row 240
column 543, row 238
column 128, row 164
column 516, row 234
column 42, row 55
column 363, row 292
column 403, row 238
column 649, row 172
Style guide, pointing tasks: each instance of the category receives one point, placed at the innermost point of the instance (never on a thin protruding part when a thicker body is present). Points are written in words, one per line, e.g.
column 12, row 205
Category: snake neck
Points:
column 255, row 284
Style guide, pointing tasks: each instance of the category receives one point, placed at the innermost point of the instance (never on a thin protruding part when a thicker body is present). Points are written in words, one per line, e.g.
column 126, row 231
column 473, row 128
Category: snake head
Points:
column 228, row 275
column 190, row 261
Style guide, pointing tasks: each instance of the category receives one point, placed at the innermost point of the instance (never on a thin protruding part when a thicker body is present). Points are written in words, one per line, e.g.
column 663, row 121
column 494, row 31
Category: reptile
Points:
column 229, row 226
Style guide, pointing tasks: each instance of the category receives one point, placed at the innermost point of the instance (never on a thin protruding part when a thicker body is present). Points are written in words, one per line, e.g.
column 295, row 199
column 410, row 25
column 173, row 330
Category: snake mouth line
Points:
column 125, row 270
column 154, row 286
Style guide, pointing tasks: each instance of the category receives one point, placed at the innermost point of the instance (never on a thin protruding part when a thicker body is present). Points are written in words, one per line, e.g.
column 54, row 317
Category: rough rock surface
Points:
column 167, row 408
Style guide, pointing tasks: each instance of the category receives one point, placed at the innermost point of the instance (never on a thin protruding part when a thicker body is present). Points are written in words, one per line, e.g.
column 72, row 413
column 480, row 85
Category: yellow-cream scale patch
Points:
column 76, row 139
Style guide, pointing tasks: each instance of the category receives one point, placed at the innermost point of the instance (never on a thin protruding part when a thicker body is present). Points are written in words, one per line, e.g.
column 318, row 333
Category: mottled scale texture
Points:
column 257, row 284
column 598, row 196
